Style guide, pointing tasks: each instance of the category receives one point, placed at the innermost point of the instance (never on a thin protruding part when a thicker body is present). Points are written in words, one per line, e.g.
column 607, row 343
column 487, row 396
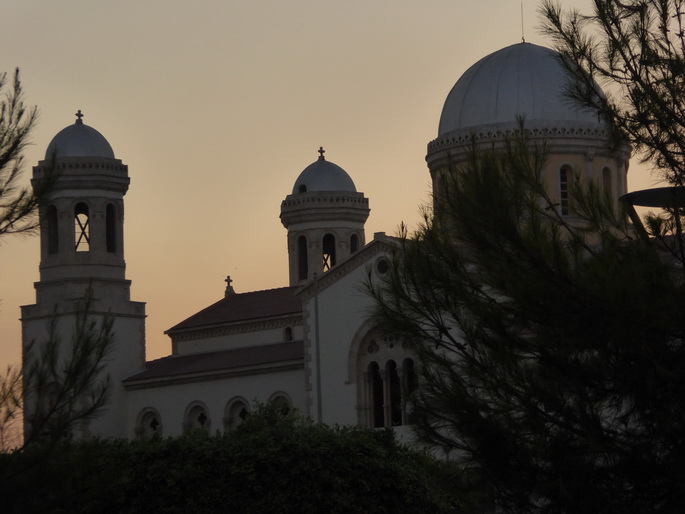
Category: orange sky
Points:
column 216, row 106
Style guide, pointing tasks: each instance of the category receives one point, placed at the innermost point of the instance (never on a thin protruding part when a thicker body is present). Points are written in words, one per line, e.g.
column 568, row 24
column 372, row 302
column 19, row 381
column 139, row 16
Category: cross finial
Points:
column 79, row 115
column 321, row 152
column 229, row 287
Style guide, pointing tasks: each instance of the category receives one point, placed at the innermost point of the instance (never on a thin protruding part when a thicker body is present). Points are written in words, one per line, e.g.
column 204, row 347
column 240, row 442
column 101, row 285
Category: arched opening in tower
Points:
column 81, row 227
column 328, row 251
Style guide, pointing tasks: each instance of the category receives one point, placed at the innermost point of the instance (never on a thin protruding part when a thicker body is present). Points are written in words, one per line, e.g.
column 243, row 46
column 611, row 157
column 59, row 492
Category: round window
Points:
column 382, row 266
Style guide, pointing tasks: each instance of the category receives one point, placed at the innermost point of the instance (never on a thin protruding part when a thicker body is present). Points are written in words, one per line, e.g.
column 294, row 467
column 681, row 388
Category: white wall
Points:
column 171, row 401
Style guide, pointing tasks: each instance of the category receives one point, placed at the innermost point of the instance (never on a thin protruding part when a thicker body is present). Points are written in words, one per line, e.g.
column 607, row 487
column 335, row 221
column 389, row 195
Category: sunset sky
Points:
column 216, row 106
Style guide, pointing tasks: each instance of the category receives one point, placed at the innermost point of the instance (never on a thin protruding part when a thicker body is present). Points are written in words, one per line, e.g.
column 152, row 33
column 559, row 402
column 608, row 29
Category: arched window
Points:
column 149, row 424
column 382, row 266
column 565, row 186
column 81, row 228
column 606, row 181
column 302, row 189
column 354, row 243
column 281, row 403
column 394, row 414
column 197, row 417
column 288, row 334
column 236, row 412
column 111, row 228
column 386, row 377
column 410, row 383
column 328, row 251
column 302, row 264
column 376, row 384
column 53, row 231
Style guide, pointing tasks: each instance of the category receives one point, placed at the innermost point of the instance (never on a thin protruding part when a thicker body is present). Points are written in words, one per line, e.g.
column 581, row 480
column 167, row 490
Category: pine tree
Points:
column 18, row 205
column 551, row 352
column 634, row 50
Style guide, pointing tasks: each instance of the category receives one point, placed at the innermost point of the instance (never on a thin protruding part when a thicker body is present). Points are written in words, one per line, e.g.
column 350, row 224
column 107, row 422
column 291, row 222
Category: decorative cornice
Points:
column 111, row 164
column 499, row 132
column 325, row 199
column 292, row 365
column 84, row 174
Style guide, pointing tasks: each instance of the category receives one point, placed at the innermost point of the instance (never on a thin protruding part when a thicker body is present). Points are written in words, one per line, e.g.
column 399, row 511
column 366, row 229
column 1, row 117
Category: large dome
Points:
column 323, row 175
column 521, row 79
column 79, row 140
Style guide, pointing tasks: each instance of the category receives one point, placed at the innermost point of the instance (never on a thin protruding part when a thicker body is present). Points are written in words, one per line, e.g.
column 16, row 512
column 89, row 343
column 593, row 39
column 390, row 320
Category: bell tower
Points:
column 325, row 218
column 82, row 254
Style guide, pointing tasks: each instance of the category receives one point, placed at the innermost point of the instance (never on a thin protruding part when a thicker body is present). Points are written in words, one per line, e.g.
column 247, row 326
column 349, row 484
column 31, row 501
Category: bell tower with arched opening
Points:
column 82, row 254
column 325, row 218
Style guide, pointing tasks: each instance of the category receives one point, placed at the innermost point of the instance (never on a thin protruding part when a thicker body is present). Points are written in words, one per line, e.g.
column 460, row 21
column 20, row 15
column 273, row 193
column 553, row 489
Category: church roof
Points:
column 179, row 366
column 239, row 307
column 519, row 80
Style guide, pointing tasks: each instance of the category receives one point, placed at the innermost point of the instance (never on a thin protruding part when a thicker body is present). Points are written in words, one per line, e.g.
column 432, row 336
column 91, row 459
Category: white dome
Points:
column 79, row 140
column 323, row 175
column 519, row 80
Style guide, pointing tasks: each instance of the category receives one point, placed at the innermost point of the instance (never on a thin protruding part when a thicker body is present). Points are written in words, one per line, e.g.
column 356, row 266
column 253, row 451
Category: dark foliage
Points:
column 552, row 351
column 18, row 205
column 19, row 209
column 271, row 463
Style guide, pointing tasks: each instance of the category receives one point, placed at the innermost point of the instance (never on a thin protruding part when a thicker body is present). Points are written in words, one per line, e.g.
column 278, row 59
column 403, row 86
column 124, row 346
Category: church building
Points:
column 309, row 345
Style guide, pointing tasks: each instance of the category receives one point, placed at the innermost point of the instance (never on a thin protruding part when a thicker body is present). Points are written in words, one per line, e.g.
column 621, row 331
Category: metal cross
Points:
column 321, row 151
column 79, row 115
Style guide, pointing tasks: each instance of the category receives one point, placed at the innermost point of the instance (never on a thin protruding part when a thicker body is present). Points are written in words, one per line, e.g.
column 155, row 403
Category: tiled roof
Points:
column 244, row 307
column 227, row 360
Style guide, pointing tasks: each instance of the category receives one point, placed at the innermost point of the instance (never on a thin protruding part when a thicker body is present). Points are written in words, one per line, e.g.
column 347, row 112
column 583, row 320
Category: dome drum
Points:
column 320, row 206
column 325, row 199
column 454, row 148
column 85, row 174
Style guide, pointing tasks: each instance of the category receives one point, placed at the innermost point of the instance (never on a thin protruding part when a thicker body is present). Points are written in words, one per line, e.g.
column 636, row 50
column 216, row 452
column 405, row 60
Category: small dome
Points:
column 79, row 140
column 323, row 175
column 521, row 79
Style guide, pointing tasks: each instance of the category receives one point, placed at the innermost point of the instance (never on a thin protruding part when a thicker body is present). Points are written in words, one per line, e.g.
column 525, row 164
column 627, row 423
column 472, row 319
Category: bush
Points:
column 271, row 463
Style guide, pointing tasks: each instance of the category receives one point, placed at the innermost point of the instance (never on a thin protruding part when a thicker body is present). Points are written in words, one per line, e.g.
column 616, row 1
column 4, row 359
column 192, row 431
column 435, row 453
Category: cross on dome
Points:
column 321, row 152
column 79, row 115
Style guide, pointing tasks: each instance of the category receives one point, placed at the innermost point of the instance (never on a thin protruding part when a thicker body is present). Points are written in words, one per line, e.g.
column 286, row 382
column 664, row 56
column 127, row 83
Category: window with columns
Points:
column 386, row 382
